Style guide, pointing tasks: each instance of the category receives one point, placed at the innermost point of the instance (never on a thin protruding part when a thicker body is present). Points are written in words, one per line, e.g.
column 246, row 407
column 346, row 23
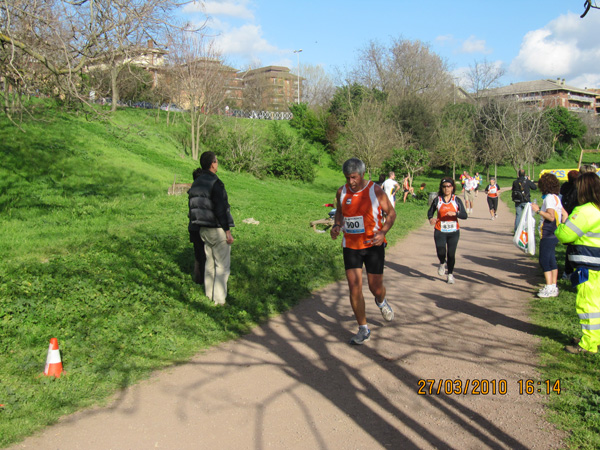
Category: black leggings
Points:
column 449, row 241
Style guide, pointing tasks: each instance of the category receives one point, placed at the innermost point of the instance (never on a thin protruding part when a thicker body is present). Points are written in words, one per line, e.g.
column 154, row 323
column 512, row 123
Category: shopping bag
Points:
column 524, row 237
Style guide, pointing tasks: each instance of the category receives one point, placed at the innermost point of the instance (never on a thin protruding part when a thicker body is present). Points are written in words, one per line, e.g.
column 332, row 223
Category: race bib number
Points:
column 448, row 227
column 354, row 225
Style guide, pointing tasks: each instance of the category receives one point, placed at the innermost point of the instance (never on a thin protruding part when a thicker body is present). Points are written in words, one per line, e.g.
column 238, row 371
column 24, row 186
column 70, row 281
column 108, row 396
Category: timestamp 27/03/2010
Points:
column 485, row 386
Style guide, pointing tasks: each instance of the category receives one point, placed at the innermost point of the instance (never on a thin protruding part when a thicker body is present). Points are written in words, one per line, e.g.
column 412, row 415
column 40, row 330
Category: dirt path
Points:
column 296, row 383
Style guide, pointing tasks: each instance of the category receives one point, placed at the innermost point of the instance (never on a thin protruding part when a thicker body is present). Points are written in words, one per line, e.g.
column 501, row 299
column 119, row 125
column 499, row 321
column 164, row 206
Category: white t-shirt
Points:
column 388, row 187
column 470, row 184
column 552, row 201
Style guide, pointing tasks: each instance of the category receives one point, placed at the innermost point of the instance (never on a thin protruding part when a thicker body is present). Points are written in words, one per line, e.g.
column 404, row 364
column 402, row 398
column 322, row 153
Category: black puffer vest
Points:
column 200, row 203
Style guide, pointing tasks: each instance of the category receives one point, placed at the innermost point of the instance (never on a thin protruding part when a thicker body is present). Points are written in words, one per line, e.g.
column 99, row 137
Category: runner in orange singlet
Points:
column 449, row 209
column 359, row 216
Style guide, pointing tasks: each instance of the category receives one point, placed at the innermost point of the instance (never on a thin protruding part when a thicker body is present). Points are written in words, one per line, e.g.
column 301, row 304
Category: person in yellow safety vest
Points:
column 581, row 230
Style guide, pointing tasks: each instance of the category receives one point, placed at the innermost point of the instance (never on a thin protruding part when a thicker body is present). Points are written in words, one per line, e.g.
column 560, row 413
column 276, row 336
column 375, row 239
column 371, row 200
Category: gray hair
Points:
column 585, row 168
column 354, row 165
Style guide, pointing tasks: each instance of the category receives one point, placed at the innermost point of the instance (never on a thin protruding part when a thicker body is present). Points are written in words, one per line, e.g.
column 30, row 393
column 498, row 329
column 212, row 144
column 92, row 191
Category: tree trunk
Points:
column 114, row 73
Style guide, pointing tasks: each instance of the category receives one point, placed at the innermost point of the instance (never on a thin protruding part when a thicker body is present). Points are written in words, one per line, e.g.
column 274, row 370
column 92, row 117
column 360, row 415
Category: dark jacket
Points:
column 568, row 191
column 208, row 203
column 526, row 185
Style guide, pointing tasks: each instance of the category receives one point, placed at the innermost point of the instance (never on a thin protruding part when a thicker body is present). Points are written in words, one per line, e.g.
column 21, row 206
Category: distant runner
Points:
column 492, row 190
column 449, row 209
column 359, row 215
column 390, row 187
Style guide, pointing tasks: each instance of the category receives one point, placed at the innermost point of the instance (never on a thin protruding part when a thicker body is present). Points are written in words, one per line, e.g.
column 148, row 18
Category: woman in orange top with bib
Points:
column 449, row 209
column 492, row 190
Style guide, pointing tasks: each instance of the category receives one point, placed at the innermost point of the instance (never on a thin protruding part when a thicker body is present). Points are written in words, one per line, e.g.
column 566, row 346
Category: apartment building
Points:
column 550, row 93
column 270, row 88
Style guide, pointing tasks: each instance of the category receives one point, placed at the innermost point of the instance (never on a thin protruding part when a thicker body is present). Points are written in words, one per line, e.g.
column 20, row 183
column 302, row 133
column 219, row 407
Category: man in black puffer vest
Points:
column 520, row 194
column 209, row 209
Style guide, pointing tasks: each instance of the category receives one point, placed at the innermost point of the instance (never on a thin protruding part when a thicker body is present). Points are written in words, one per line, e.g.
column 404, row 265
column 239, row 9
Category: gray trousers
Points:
column 217, row 267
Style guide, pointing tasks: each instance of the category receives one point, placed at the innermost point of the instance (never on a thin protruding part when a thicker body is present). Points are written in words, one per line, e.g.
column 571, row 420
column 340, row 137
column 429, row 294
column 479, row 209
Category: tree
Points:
column 317, row 86
column 307, row 121
column 413, row 116
column 347, row 100
column 454, row 138
column 197, row 71
column 405, row 68
column 407, row 160
column 564, row 125
column 61, row 39
column 368, row 135
column 522, row 130
column 482, row 76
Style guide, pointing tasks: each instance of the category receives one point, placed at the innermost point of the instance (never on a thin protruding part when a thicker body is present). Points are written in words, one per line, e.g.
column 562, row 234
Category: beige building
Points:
column 270, row 88
column 548, row 94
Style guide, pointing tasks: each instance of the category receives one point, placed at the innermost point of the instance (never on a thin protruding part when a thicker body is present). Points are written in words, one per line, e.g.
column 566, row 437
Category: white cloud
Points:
column 237, row 9
column 246, row 41
column 444, row 39
column 474, row 45
column 236, row 34
column 568, row 47
column 586, row 80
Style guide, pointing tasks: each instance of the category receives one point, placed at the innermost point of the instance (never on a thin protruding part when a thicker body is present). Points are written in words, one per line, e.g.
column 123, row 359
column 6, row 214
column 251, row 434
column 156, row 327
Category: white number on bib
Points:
column 354, row 225
column 448, row 227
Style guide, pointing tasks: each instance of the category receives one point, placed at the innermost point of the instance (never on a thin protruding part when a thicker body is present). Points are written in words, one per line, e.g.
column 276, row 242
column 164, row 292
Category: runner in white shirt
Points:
column 470, row 185
column 390, row 187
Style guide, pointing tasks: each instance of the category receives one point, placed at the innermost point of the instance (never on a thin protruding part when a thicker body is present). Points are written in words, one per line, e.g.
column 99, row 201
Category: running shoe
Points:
column 450, row 278
column 548, row 291
column 386, row 310
column 361, row 337
column 442, row 270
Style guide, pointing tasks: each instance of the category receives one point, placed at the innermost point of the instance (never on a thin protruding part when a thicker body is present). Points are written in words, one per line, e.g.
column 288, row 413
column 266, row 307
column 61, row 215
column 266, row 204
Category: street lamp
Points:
column 298, row 52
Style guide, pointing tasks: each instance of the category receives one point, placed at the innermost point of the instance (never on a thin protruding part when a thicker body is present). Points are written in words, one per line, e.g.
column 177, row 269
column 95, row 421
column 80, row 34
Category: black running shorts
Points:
column 372, row 257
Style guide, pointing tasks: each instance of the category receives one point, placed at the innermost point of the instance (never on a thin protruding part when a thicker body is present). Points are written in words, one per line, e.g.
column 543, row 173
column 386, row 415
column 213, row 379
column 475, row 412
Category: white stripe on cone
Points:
column 53, row 361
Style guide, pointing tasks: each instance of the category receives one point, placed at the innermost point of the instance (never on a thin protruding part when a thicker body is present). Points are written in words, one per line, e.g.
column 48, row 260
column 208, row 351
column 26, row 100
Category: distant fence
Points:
column 265, row 115
column 242, row 114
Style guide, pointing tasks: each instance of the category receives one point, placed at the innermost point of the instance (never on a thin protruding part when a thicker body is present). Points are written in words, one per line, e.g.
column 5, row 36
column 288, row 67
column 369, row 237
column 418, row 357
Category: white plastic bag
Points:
column 524, row 237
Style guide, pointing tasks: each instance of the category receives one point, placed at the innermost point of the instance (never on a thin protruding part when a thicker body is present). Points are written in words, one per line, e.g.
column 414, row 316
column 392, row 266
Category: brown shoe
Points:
column 575, row 341
column 576, row 349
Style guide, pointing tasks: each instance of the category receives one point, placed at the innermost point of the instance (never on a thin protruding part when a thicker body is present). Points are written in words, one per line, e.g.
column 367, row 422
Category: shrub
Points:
column 289, row 158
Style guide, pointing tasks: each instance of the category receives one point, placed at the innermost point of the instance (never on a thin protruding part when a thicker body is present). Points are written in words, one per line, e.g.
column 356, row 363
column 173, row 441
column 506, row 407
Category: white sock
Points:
column 363, row 328
column 380, row 304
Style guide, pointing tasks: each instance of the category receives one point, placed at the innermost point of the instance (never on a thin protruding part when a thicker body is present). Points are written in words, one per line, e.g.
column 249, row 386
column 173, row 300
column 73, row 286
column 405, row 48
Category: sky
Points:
column 530, row 39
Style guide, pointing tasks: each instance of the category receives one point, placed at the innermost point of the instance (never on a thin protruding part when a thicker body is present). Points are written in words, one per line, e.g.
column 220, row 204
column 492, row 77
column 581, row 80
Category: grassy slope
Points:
column 95, row 253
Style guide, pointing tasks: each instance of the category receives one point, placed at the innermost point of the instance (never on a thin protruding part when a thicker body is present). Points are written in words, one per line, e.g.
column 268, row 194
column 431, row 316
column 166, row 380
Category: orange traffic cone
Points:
column 53, row 363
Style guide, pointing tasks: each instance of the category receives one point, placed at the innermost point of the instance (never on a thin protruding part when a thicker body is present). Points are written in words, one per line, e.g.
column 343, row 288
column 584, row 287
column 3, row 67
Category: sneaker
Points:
column 493, row 218
column 386, row 310
column 450, row 278
column 361, row 337
column 442, row 270
column 547, row 291
column 576, row 350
